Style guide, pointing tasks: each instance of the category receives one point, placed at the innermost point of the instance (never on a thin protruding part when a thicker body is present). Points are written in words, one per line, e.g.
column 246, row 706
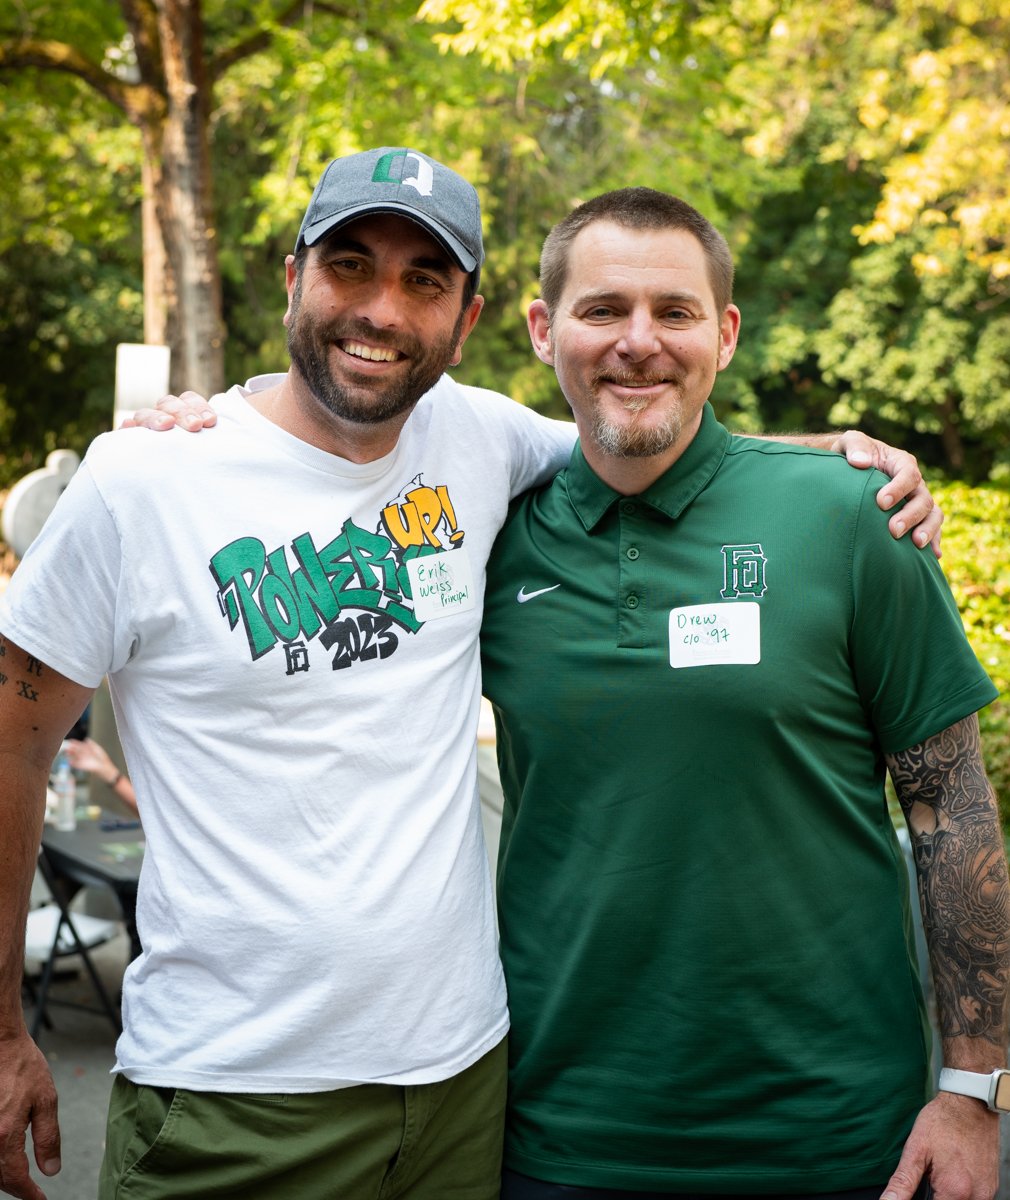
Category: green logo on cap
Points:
column 422, row 181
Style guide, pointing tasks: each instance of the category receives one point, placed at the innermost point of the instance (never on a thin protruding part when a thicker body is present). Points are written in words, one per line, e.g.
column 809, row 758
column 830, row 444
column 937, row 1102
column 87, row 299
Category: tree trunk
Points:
column 181, row 179
column 950, row 434
column 153, row 249
column 167, row 96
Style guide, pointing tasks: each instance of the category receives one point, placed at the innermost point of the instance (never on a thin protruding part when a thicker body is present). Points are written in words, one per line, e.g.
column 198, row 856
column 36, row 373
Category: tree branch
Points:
column 289, row 15
column 141, row 19
column 58, row 56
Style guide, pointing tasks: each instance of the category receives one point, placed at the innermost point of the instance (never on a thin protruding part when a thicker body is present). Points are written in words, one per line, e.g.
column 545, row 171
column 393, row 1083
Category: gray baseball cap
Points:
column 406, row 182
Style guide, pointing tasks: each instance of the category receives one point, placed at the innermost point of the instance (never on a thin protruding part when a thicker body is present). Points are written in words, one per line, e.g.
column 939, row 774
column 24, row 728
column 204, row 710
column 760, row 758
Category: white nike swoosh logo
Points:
column 523, row 595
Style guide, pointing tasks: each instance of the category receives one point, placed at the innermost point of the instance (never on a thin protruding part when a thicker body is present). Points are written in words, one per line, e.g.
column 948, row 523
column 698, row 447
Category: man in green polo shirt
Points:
column 703, row 651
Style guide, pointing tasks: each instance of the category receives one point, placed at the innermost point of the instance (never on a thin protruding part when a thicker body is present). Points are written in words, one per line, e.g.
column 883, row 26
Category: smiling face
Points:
column 636, row 340
column 375, row 316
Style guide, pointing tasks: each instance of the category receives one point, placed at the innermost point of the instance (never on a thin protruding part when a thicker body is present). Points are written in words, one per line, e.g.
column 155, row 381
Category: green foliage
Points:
column 976, row 535
column 69, row 259
column 804, row 130
column 604, row 34
column 918, row 349
column 794, row 260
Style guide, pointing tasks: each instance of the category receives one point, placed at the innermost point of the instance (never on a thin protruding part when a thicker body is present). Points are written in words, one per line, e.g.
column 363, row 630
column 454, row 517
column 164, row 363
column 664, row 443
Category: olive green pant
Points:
column 437, row 1141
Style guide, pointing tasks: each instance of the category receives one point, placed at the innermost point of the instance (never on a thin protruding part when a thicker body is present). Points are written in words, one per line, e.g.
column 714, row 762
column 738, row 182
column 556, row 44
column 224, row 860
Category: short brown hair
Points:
column 635, row 208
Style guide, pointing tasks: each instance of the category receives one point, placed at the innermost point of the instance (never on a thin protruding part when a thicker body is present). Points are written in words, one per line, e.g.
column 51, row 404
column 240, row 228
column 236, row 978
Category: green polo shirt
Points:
column 703, row 905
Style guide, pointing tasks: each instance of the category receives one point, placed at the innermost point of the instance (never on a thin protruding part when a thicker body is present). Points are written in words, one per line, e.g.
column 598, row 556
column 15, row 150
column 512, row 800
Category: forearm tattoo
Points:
column 962, row 873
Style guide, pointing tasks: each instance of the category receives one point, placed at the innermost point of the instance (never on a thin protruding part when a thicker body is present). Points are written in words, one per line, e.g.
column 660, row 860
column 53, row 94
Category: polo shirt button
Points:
column 632, row 602
column 628, row 506
column 633, row 552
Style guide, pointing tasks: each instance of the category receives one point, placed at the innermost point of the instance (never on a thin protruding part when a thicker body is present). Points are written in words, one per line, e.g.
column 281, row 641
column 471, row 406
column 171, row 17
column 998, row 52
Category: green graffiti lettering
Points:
column 308, row 589
column 277, row 603
column 370, row 562
column 237, row 569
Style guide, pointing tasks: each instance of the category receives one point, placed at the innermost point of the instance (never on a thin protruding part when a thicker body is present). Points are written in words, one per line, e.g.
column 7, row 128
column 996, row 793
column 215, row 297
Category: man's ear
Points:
column 469, row 321
column 729, row 331
column 290, row 279
column 538, row 323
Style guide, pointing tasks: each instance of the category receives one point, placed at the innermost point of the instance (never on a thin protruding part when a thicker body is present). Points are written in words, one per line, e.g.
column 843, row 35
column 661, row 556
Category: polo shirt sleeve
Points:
column 62, row 604
column 914, row 668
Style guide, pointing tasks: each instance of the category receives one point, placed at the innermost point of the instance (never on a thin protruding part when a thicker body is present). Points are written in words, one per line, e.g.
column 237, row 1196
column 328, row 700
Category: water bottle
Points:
column 64, row 784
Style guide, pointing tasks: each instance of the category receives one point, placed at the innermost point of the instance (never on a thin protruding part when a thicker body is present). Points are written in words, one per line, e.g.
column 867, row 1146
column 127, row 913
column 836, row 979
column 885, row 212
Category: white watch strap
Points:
column 966, row 1083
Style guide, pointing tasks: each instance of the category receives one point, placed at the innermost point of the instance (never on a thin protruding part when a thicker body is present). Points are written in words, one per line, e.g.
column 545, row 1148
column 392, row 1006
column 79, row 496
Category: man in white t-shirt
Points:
column 287, row 610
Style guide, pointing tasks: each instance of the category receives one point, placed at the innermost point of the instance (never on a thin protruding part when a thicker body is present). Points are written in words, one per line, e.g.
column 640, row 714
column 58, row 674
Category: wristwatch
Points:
column 993, row 1090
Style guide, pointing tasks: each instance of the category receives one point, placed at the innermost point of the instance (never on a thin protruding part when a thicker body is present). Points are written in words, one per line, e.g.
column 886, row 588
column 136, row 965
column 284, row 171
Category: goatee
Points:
column 633, row 440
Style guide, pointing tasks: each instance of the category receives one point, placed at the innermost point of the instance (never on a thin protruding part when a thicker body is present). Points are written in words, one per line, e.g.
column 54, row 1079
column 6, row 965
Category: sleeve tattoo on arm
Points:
column 962, row 874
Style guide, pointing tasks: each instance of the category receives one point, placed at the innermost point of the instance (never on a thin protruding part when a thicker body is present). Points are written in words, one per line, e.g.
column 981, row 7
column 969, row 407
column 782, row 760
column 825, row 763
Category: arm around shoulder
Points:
column 920, row 512
column 543, row 446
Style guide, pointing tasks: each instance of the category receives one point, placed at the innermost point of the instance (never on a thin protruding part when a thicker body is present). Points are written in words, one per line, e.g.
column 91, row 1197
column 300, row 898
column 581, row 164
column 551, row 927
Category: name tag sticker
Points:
column 441, row 584
column 705, row 635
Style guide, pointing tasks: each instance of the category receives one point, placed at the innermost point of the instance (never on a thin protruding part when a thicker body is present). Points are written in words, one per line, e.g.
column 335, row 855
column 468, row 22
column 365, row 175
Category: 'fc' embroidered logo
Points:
column 743, row 571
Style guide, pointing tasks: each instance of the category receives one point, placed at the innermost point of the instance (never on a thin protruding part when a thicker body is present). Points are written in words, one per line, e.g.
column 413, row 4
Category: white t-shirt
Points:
column 315, row 904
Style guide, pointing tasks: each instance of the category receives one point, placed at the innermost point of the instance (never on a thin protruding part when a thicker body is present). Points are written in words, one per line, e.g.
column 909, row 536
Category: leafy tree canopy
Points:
column 854, row 154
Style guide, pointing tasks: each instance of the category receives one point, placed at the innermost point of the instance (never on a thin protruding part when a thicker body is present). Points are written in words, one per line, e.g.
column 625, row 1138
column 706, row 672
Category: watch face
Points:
column 1001, row 1097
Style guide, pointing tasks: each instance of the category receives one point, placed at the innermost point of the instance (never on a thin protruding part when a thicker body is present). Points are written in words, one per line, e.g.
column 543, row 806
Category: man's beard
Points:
column 632, row 440
column 310, row 344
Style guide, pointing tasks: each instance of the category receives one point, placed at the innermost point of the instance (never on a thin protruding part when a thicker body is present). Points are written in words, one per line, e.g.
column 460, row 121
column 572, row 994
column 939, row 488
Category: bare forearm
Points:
column 22, row 809
column 37, row 706
column 90, row 756
column 963, row 890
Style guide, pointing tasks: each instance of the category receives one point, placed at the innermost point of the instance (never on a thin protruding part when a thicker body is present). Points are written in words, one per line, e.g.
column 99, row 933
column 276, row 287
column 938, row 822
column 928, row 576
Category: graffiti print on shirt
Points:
column 353, row 594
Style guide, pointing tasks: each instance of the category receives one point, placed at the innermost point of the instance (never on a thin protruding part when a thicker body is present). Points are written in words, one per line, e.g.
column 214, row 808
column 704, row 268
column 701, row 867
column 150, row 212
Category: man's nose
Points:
column 639, row 336
column 380, row 303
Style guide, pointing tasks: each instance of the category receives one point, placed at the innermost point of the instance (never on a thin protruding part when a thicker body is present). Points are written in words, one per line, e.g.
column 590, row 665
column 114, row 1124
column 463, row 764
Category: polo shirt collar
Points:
column 672, row 492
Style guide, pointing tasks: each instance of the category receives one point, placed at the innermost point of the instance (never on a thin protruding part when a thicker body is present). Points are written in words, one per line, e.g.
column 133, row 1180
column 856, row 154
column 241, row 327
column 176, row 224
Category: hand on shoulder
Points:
column 189, row 410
